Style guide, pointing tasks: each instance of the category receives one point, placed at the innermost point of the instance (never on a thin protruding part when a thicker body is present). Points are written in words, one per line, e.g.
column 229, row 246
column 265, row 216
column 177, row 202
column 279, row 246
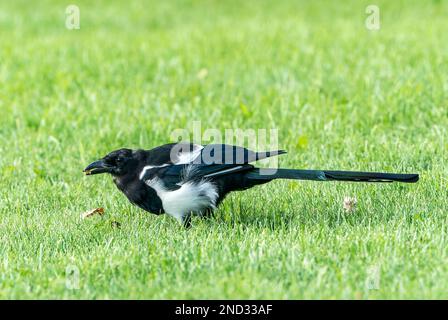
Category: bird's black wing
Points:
column 214, row 161
column 173, row 153
column 173, row 176
column 232, row 155
column 187, row 153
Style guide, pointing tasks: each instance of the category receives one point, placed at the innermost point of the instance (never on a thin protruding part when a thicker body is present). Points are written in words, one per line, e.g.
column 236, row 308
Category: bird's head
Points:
column 117, row 163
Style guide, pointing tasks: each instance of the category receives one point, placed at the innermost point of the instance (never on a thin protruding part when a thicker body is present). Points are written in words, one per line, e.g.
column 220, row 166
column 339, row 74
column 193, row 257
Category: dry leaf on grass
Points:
column 90, row 213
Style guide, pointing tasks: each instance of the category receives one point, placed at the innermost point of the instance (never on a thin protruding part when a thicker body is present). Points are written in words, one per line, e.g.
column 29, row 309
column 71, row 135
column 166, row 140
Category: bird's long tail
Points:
column 324, row 175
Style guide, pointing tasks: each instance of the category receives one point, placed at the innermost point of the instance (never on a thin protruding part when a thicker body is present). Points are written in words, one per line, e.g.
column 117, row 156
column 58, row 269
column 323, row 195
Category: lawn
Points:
column 340, row 95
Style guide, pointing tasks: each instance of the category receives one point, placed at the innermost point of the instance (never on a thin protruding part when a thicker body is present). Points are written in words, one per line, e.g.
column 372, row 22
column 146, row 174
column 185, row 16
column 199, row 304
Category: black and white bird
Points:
column 182, row 179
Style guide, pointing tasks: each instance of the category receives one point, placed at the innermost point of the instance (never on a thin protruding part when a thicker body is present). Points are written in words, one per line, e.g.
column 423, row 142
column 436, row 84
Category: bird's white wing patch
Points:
column 186, row 157
column 190, row 197
column 178, row 156
column 146, row 168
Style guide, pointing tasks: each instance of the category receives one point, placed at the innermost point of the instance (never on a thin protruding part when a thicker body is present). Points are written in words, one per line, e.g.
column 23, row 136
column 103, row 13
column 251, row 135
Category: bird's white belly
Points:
column 189, row 198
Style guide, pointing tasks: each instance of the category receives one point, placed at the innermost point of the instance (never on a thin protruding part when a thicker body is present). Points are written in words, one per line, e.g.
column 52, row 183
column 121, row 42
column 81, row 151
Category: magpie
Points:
column 184, row 179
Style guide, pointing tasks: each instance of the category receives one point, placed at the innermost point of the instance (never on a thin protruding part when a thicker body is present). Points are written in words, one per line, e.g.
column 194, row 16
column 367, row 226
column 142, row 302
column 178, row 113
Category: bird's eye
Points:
column 119, row 160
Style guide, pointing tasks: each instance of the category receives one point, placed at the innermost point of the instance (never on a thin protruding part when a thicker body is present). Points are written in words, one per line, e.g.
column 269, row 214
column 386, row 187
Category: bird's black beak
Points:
column 97, row 167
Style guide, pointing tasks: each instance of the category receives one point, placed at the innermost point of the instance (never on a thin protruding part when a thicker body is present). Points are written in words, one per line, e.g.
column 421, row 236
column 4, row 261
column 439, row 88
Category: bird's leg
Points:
column 207, row 213
column 186, row 221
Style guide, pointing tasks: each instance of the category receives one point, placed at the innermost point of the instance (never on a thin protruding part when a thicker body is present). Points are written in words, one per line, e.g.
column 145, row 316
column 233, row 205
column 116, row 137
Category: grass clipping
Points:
column 349, row 204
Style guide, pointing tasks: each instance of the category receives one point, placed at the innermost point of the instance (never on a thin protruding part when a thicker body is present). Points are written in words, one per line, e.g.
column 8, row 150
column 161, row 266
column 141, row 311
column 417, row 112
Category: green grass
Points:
column 341, row 96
